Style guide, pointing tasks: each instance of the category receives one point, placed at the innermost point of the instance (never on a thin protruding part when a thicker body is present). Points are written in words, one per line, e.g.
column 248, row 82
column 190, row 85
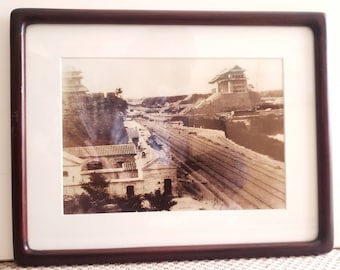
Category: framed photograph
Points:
column 168, row 135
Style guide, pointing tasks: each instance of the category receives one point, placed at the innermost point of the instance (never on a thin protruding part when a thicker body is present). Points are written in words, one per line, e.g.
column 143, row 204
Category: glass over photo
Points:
column 172, row 134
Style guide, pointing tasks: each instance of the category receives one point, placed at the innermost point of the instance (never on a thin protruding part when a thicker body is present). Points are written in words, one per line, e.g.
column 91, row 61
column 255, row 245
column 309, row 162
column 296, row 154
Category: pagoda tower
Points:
column 231, row 81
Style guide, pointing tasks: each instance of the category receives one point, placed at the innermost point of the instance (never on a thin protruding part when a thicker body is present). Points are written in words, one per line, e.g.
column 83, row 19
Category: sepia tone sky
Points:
column 149, row 77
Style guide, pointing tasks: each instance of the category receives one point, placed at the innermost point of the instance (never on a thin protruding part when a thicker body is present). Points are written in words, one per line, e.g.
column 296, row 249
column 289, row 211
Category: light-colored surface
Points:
column 328, row 6
column 47, row 44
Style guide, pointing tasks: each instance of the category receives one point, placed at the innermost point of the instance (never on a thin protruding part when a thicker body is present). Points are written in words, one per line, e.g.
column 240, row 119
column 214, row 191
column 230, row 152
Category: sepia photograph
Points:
column 172, row 134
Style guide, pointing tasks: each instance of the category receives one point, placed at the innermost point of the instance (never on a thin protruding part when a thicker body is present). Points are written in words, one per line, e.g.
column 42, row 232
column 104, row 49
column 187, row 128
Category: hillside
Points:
column 194, row 98
column 205, row 103
column 220, row 102
column 155, row 102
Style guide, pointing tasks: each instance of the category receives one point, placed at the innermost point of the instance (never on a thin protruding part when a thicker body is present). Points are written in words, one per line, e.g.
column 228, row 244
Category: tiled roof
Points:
column 130, row 166
column 102, row 150
column 223, row 74
column 160, row 163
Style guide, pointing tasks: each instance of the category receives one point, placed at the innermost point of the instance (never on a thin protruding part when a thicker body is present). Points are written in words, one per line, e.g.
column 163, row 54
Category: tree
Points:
column 159, row 201
column 131, row 204
column 85, row 202
column 71, row 204
column 153, row 201
column 97, row 194
column 118, row 92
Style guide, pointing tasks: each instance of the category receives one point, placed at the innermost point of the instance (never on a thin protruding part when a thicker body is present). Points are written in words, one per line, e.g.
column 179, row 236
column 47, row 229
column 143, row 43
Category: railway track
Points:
column 253, row 159
column 271, row 181
column 222, row 175
column 242, row 180
column 213, row 190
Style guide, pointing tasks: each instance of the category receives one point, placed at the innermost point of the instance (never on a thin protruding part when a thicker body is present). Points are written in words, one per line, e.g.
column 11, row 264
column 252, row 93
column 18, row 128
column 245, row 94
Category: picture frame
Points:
column 42, row 40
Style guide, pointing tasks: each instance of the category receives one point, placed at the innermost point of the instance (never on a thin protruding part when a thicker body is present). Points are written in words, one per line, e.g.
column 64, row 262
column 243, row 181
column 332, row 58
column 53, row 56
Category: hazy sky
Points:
column 148, row 77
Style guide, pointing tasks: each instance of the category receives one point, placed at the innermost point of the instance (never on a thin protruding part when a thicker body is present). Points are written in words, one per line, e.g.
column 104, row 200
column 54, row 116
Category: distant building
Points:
column 230, row 93
column 72, row 82
column 230, row 81
column 73, row 91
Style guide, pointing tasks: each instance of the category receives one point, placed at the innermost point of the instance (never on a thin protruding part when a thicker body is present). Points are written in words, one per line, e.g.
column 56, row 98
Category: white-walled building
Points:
column 120, row 166
column 115, row 162
column 161, row 174
column 71, row 173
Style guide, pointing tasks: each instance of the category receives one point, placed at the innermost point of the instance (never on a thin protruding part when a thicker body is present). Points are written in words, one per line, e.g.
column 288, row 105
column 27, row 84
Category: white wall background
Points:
column 6, row 6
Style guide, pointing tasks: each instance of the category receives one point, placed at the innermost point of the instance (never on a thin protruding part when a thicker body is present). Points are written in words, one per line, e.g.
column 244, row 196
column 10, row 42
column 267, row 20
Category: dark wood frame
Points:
column 22, row 18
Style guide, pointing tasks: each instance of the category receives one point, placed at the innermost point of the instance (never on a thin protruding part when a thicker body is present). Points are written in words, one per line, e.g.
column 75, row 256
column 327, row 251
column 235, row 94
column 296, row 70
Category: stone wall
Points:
column 93, row 119
column 227, row 103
